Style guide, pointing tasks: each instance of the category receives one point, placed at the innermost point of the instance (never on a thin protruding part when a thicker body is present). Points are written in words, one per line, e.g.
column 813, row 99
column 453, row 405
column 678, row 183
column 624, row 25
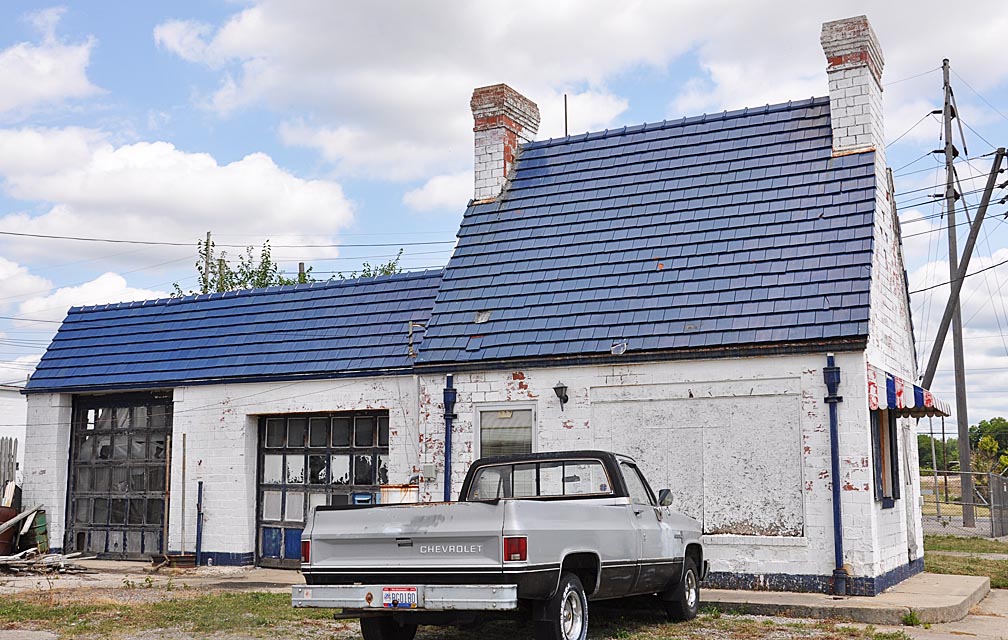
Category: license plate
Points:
column 399, row 597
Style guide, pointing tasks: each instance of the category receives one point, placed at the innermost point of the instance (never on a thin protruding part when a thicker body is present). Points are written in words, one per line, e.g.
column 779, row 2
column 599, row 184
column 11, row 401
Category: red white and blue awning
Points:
column 887, row 391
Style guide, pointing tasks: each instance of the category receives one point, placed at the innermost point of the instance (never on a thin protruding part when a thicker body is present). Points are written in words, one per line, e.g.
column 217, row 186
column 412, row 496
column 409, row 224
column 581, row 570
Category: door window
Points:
column 639, row 493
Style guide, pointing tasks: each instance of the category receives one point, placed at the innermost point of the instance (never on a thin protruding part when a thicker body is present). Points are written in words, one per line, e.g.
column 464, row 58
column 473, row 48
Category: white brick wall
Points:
column 46, row 459
column 723, row 386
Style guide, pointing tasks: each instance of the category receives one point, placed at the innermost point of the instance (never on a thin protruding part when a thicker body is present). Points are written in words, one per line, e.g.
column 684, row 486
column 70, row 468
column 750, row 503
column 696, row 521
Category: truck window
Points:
column 540, row 479
column 638, row 491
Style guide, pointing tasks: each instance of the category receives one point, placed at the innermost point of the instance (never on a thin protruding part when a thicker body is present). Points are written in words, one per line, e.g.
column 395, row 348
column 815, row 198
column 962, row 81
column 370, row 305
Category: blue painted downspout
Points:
column 831, row 375
column 450, row 395
column 199, row 523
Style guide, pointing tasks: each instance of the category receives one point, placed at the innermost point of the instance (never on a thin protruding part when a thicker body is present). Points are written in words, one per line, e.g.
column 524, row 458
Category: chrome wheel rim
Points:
column 571, row 616
column 692, row 595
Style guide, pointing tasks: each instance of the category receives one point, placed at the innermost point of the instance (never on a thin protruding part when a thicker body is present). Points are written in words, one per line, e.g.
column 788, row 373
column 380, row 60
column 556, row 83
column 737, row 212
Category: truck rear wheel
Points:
column 565, row 615
column 385, row 628
column 683, row 602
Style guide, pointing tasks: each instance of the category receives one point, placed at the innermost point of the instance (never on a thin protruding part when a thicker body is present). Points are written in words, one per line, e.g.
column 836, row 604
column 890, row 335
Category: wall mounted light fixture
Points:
column 560, row 389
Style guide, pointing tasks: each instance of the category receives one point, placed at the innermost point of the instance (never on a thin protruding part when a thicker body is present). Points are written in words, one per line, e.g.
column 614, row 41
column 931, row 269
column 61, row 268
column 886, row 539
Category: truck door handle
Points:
column 638, row 512
column 678, row 535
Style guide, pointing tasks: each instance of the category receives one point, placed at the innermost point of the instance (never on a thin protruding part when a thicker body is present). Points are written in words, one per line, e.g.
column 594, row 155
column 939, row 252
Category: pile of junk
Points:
column 24, row 538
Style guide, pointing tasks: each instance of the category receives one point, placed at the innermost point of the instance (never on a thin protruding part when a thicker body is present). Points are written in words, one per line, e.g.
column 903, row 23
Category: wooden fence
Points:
column 8, row 460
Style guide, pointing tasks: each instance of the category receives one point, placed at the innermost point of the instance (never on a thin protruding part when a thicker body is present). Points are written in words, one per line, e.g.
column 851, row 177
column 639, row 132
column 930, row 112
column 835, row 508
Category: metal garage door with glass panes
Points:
column 119, row 475
column 311, row 460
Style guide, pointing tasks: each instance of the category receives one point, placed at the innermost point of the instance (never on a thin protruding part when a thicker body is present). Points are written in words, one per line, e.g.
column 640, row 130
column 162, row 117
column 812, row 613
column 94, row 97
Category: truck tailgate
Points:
column 403, row 539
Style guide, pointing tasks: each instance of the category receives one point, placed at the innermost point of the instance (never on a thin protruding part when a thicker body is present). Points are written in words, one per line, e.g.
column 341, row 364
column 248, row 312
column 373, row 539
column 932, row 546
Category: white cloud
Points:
column 105, row 289
column 184, row 38
column 446, row 192
column 155, row 191
column 16, row 282
column 15, row 372
column 47, row 72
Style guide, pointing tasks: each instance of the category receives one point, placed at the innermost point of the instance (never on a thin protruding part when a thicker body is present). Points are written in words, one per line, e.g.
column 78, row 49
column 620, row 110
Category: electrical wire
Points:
column 230, row 246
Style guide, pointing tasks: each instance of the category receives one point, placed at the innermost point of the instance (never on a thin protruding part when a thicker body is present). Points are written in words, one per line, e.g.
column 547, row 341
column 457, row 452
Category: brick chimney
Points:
column 503, row 120
column 854, row 66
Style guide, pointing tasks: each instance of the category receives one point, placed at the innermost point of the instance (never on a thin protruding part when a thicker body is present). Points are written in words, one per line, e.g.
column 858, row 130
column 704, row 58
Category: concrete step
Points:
column 933, row 597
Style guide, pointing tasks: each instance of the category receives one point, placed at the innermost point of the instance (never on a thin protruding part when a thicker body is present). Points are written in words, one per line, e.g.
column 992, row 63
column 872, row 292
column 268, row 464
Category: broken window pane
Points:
column 363, row 470
column 120, row 447
column 382, row 469
column 295, row 469
column 159, row 417
column 317, row 470
column 295, row 507
column 157, row 447
column 276, row 432
column 364, row 432
column 138, row 447
column 85, row 450
column 318, row 432
column 272, row 469
column 103, row 448
column 296, row 432
column 341, row 432
column 104, row 418
column 271, row 504
column 383, row 431
column 340, row 469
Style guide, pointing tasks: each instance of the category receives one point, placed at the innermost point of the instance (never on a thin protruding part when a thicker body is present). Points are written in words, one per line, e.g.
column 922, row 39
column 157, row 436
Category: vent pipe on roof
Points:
column 503, row 119
column 854, row 66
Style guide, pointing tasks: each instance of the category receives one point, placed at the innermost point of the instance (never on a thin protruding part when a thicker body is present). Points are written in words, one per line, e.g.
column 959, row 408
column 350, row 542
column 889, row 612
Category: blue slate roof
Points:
column 713, row 232
column 319, row 330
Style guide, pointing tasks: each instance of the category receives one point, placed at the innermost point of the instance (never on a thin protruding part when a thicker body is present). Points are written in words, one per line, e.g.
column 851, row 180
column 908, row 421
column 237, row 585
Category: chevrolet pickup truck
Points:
column 541, row 534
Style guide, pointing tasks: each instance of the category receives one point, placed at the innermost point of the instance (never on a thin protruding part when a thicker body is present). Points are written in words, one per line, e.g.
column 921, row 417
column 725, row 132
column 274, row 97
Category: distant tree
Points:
column 947, row 453
column 368, row 271
column 217, row 274
column 997, row 428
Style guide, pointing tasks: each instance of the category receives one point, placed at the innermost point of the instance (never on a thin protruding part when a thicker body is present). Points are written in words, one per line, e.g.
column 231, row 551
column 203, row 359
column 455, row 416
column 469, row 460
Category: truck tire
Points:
column 385, row 628
column 683, row 602
column 565, row 615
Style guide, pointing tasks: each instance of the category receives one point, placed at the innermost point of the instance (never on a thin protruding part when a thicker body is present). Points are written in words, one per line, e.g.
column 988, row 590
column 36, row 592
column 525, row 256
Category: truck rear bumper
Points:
column 431, row 597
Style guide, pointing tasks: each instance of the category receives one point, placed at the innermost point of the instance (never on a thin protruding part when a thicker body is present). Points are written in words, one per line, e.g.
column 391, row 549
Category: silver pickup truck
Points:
column 542, row 534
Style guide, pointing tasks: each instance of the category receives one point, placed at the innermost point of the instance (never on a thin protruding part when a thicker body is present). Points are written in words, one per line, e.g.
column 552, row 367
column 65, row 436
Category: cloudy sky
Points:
column 347, row 124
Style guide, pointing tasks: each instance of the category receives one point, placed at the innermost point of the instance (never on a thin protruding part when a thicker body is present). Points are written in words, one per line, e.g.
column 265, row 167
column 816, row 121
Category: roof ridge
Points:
column 309, row 286
column 679, row 122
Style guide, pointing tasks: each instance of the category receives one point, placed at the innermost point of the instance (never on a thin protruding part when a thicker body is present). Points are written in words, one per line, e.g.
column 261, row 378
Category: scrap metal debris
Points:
column 31, row 561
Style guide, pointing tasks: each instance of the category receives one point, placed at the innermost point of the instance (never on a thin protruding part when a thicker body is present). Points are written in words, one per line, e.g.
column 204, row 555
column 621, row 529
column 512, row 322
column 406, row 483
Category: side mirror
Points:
column 664, row 497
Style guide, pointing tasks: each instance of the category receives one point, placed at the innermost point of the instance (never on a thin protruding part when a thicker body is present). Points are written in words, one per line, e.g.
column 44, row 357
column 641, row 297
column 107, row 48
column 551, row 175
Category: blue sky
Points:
column 348, row 123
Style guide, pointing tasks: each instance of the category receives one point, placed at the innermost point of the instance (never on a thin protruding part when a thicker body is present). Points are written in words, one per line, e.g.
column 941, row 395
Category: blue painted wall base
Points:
column 226, row 558
column 857, row 586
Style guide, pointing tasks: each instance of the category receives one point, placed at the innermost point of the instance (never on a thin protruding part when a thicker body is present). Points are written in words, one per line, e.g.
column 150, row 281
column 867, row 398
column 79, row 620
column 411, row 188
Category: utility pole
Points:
column 966, row 479
column 207, row 258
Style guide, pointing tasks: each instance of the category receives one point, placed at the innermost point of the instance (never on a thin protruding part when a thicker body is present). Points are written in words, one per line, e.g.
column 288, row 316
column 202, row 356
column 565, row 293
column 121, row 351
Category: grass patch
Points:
column 968, row 545
column 202, row 615
column 996, row 570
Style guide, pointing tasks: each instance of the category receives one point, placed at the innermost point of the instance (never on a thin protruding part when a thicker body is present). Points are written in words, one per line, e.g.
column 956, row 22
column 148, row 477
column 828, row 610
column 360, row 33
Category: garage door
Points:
column 311, row 460
column 119, row 475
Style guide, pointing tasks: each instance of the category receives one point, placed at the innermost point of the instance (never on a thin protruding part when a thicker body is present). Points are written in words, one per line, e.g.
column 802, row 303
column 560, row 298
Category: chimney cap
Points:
column 497, row 100
column 850, row 43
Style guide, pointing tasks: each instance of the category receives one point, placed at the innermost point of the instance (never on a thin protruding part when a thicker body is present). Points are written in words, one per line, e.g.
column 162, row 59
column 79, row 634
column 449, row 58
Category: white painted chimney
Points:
column 854, row 65
column 503, row 119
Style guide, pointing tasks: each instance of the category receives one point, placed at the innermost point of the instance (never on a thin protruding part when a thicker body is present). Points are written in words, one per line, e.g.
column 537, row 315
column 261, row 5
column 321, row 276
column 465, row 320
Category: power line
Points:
column 941, row 284
column 913, row 77
column 230, row 246
column 987, row 102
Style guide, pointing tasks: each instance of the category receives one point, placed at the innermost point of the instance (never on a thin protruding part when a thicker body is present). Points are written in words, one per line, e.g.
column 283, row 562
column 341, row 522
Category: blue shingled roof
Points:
column 722, row 231
column 304, row 331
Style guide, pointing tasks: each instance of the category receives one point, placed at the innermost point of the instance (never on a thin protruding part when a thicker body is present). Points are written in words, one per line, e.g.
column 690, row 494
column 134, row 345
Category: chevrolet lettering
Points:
column 538, row 535
column 451, row 548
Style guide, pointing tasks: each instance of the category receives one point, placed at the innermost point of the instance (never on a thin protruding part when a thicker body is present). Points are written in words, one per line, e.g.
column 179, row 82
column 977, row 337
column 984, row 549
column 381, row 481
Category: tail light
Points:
column 305, row 551
column 516, row 549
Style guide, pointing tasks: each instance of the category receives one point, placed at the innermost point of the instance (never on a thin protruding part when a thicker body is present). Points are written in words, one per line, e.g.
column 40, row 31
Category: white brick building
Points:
column 675, row 291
